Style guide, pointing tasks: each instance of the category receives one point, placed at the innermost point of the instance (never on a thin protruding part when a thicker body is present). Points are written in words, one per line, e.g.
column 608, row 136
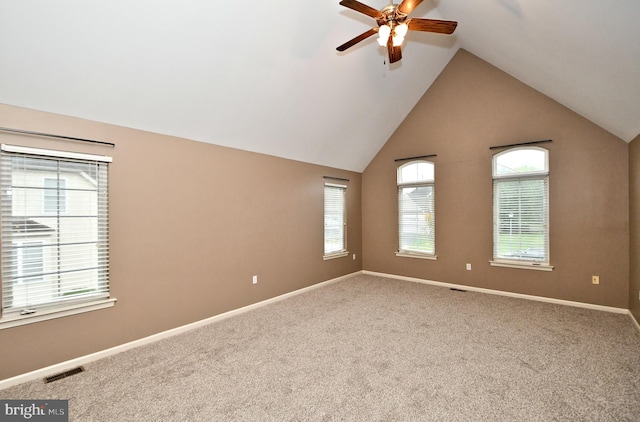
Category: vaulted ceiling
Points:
column 265, row 76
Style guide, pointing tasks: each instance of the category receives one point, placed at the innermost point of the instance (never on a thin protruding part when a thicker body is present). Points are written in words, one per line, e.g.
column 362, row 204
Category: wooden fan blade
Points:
column 432, row 25
column 362, row 8
column 395, row 53
column 357, row 39
column 407, row 6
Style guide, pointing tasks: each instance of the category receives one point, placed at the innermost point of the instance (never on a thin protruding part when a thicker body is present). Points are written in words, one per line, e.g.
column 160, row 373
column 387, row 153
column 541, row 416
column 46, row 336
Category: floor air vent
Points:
column 457, row 290
column 64, row 374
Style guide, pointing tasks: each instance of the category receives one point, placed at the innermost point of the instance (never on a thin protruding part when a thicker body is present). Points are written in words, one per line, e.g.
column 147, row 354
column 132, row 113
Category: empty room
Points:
column 329, row 210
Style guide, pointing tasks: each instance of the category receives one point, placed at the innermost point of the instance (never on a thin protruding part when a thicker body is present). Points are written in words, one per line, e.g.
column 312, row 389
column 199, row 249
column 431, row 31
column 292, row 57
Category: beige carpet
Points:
column 370, row 348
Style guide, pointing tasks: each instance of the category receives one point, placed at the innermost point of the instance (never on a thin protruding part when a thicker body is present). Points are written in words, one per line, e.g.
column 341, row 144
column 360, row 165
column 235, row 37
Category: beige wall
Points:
column 634, row 213
column 190, row 224
column 469, row 108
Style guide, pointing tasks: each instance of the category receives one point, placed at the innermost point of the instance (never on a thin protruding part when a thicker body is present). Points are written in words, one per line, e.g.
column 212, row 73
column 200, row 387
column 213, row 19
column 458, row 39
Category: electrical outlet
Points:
column 354, row 257
column 468, row 267
column 255, row 279
column 595, row 279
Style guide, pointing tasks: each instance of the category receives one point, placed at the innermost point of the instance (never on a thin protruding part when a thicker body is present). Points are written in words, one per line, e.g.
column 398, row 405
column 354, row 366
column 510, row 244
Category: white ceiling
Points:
column 265, row 76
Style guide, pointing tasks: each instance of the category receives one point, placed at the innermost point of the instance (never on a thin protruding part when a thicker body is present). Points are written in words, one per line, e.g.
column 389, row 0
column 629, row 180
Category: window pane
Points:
column 523, row 160
column 334, row 219
column 30, row 262
column 419, row 171
column 416, row 219
column 520, row 219
column 54, row 230
column 54, row 195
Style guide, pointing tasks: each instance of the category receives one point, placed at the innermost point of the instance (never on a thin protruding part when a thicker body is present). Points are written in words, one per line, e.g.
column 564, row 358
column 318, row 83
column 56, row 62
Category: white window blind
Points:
column 416, row 206
column 335, row 222
column 54, row 228
column 521, row 206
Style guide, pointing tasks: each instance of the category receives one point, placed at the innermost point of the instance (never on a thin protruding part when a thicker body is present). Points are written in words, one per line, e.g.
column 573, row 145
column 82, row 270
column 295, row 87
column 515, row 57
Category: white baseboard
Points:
column 83, row 360
column 635, row 321
column 503, row 293
column 509, row 294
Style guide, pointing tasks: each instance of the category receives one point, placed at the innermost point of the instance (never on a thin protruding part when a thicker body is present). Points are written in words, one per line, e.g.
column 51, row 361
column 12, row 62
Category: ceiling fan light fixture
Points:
column 393, row 24
column 383, row 35
column 399, row 32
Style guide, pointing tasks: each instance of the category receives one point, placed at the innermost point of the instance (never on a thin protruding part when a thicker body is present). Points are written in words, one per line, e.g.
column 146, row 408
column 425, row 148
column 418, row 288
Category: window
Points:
column 335, row 221
column 416, row 206
column 55, row 252
column 521, row 208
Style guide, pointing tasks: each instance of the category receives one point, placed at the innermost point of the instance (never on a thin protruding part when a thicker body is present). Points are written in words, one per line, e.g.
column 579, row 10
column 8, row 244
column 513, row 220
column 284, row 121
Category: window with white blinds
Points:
column 416, row 208
column 54, row 228
column 335, row 220
column 521, row 206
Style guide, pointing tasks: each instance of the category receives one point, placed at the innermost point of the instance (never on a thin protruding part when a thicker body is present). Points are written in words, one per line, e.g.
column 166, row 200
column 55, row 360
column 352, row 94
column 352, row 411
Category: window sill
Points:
column 47, row 314
column 335, row 255
column 522, row 265
column 416, row 255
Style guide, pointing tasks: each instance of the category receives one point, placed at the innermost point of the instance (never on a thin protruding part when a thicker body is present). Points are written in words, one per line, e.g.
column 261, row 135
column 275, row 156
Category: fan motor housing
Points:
column 391, row 15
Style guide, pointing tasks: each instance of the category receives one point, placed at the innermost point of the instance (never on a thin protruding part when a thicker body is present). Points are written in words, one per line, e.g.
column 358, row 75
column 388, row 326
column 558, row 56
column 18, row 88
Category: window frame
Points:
column 29, row 230
column 541, row 175
column 342, row 250
column 418, row 182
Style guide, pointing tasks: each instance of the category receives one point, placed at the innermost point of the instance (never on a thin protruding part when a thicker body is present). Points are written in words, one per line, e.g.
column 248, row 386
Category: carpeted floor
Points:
column 370, row 348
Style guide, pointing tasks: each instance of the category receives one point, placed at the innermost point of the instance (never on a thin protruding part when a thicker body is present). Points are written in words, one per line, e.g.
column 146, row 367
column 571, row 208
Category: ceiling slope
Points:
column 264, row 78
column 267, row 78
column 585, row 54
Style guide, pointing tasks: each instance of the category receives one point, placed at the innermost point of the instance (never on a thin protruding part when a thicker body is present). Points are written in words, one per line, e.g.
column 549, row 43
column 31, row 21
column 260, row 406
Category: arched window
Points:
column 521, row 207
column 416, row 216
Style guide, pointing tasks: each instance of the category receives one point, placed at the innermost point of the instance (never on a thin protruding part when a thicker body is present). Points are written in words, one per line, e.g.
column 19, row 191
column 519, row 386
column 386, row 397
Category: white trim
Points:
column 333, row 255
column 54, row 153
column 522, row 265
column 503, row 293
column 17, row 320
column 416, row 255
column 82, row 360
column 635, row 321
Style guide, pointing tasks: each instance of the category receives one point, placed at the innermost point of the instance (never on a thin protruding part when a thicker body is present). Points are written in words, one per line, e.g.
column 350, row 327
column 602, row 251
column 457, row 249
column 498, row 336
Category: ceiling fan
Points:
column 393, row 24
